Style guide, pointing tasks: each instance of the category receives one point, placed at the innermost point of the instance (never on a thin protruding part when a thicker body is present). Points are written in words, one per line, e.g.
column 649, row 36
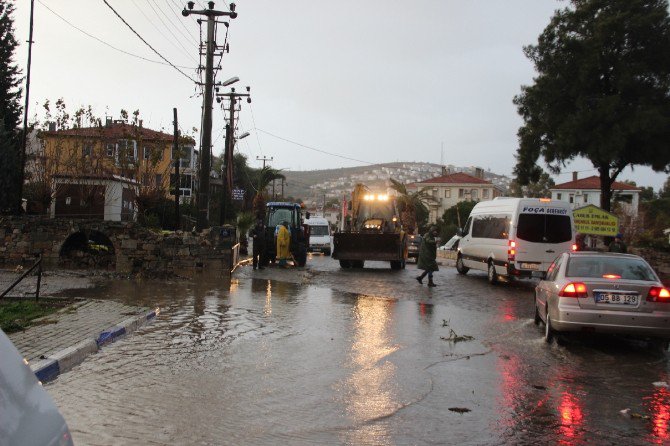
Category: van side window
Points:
column 491, row 226
column 466, row 228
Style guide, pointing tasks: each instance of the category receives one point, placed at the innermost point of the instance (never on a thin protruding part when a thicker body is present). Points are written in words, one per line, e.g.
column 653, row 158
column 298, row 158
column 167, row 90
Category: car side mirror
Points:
column 539, row 275
column 459, row 232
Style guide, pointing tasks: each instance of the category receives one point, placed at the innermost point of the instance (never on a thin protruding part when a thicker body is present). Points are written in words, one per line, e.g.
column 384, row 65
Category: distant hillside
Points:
column 313, row 185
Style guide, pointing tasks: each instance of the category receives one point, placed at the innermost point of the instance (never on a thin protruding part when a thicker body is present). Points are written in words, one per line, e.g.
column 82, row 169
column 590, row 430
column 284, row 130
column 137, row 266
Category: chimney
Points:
column 52, row 126
column 140, row 123
column 445, row 171
column 574, row 176
column 108, row 121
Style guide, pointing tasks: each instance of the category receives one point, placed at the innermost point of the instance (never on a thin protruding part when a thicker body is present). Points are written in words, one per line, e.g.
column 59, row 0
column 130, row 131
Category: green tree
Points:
column 10, row 114
column 411, row 205
column 601, row 91
column 457, row 214
column 539, row 189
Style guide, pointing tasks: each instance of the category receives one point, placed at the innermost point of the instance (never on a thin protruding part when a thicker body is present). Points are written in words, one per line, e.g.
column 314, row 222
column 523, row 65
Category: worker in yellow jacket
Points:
column 283, row 244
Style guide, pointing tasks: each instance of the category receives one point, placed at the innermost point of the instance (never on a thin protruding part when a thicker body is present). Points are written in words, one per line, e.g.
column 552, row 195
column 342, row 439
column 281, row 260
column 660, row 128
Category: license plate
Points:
column 616, row 298
column 530, row 265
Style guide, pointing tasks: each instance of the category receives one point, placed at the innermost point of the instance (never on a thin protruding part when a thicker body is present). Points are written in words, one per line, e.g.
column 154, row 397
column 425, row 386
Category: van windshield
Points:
column 540, row 228
column 318, row 230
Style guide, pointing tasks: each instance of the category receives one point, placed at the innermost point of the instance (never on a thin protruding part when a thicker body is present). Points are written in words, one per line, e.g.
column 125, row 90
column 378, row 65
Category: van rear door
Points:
column 542, row 233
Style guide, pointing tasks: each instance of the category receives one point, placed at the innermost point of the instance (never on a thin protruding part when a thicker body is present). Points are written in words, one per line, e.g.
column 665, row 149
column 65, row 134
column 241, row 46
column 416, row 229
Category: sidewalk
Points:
column 57, row 342
column 60, row 341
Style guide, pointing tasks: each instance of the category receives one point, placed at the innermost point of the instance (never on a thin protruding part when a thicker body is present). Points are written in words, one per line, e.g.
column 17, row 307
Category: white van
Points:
column 515, row 236
column 320, row 236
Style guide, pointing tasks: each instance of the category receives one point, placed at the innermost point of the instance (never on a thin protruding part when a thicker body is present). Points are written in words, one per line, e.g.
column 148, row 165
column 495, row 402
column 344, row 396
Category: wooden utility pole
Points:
column 206, row 128
column 177, row 180
column 264, row 159
column 24, row 137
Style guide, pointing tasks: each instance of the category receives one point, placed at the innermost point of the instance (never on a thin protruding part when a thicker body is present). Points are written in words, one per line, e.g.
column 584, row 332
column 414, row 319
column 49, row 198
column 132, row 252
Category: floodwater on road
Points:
column 327, row 360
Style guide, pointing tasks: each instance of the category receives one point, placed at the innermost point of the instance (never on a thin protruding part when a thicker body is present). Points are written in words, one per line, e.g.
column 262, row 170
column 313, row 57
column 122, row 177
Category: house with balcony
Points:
column 451, row 188
column 115, row 156
column 581, row 192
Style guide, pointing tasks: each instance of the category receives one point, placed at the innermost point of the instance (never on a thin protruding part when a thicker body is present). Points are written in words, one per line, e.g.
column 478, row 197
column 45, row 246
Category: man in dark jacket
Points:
column 258, row 235
column 427, row 256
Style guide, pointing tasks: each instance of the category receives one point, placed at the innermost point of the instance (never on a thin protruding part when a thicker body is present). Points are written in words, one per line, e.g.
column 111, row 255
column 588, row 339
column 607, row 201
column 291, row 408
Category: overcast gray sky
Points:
column 376, row 81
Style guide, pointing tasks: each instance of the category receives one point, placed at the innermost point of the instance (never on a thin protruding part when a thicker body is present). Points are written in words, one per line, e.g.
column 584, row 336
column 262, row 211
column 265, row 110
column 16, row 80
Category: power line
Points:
column 147, row 43
column 105, row 43
column 253, row 121
column 313, row 148
column 168, row 27
column 179, row 19
column 165, row 37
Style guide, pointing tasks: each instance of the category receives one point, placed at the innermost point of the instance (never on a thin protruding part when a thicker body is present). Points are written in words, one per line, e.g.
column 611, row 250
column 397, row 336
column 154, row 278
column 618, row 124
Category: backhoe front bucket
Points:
column 365, row 246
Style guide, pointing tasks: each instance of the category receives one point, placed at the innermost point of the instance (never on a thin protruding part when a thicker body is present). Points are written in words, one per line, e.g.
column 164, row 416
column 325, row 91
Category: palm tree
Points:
column 408, row 203
column 264, row 177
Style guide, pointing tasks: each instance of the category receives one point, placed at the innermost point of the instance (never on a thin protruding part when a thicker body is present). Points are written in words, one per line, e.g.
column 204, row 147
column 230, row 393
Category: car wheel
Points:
column 326, row 252
column 345, row 264
column 395, row 264
column 548, row 331
column 660, row 344
column 537, row 319
column 460, row 267
column 492, row 274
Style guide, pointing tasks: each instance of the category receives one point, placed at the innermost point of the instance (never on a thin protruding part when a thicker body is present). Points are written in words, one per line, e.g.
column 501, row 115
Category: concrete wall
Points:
column 136, row 249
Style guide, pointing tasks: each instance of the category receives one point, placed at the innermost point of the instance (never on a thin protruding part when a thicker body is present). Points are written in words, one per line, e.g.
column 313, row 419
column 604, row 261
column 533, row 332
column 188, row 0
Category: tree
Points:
column 411, row 205
column 264, row 177
column 601, row 91
column 10, row 115
column 539, row 189
column 457, row 214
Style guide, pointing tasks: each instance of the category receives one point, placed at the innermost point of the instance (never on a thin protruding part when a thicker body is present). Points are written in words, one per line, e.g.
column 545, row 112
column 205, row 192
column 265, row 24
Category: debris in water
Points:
column 445, row 322
column 460, row 409
column 660, row 384
column 629, row 414
column 454, row 337
column 538, row 387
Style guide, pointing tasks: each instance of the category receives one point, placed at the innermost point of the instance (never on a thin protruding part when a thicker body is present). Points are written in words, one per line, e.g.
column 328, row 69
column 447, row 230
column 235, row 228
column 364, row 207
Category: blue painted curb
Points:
column 48, row 369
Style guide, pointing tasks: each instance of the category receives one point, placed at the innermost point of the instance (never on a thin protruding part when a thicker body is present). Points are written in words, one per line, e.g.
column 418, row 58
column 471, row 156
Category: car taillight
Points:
column 658, row 294
column 511, row 250
column 574, row 247
column 611, row 276
column 574, row 289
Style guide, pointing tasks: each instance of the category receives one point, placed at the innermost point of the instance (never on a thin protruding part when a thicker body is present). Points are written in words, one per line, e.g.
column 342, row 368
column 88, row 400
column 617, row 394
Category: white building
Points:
column 447, row 190
column 585, row 191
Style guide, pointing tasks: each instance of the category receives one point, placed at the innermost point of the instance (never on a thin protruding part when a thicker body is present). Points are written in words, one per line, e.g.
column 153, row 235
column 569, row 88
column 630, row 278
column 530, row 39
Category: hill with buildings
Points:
column 315, row 187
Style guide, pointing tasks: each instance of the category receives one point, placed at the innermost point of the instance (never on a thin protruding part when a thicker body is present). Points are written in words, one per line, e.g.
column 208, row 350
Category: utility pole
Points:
column 206, row 127
column 264, row 159
column 282, row 188
column 24, row 137
column 229, row 149
column 177, row 180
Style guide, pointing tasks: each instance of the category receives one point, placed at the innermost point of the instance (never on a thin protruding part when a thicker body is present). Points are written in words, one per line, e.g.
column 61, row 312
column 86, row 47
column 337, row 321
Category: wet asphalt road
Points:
column 328, row 356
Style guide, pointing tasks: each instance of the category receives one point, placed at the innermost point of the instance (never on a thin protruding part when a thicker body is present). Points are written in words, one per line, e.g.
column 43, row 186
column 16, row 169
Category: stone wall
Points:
column 135, row 249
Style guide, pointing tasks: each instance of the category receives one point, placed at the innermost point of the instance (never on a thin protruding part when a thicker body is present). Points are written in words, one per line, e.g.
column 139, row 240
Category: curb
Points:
column 60, row 362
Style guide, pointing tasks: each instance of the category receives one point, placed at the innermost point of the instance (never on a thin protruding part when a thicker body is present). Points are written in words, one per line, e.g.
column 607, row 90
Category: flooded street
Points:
column 330, row 356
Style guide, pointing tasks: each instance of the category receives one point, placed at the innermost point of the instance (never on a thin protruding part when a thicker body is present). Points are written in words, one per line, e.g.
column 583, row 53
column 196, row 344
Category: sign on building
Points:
column 238, row 194
column 595, row 221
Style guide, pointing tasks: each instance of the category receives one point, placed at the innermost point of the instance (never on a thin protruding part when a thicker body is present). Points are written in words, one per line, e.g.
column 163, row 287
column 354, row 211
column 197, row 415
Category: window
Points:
column 491, row 226
column 126, row 150
column 586, row 198
column 318, row 230
column 627, row 268
column 539, row 228
column 623, row 198
column 485, row 193
column 111, row 150
column 87, row 150
column 466, row 228
column 147, row 153
column 558, row 196
column 159, row 180
column 572, row 198
column 461, row 193
column 68, row 201
column 447, row 193
column 186, row 155
column 473, row 194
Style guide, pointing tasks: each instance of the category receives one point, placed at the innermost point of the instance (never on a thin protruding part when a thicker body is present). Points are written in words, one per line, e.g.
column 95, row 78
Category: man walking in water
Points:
column 427, row 256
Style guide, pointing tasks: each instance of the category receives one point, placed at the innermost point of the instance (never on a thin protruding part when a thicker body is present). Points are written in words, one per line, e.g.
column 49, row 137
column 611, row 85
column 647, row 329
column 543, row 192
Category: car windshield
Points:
column 630, row 268
column 279, row 215
column 318, row 230
column 540, row 228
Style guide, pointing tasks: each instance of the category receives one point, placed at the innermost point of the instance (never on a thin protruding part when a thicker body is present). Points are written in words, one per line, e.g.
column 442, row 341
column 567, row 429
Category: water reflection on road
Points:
column 261, row 361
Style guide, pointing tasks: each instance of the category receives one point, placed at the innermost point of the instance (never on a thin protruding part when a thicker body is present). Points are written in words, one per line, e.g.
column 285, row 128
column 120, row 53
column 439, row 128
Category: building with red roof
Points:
column 452, row 188
column 582, row 192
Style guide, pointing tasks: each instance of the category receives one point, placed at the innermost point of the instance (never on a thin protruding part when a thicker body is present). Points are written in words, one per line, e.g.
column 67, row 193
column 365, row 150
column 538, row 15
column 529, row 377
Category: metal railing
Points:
column 38, row 265
column 234, row 257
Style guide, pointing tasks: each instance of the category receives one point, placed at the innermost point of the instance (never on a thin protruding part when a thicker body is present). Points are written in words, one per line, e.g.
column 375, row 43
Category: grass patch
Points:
column 16, row 316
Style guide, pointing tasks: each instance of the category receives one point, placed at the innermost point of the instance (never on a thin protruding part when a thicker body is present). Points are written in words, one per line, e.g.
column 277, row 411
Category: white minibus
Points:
column 513, row 237
column 320, row 236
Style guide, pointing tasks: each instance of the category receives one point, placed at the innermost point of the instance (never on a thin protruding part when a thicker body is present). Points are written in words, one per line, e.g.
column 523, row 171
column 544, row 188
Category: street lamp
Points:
column 230, row 81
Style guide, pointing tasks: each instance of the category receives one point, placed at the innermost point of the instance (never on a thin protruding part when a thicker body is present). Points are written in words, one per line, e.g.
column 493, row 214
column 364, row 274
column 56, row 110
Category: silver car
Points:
column 603, row 293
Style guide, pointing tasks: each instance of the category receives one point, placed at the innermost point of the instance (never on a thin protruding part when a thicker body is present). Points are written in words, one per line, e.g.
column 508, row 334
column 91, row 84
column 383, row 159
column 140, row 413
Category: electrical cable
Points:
column 253, row 121
column 105, row 43
column 147, row 43
column 165, row 37
column 178, row 15
column 187, row 35
column 168, row 28
column 313, row 148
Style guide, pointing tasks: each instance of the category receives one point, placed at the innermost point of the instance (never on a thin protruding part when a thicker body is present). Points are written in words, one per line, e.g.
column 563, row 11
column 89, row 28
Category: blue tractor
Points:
column 277, row 212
